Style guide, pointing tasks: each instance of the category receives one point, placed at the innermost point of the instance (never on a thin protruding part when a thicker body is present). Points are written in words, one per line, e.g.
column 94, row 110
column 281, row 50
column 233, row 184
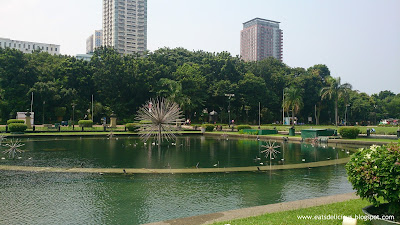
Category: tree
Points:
column 293, row 101
column 335, row 90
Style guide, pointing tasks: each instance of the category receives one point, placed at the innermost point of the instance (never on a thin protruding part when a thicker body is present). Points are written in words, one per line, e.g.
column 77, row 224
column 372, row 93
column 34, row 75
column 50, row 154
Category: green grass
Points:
column 297, row 135
column 374, row 139
column 347, row 208
column 379, row 129
column 78, row 133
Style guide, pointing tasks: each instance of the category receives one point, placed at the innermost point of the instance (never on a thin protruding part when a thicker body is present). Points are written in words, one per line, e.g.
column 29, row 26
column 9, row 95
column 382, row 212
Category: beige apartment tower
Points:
column 260, row 39
column 125, row 25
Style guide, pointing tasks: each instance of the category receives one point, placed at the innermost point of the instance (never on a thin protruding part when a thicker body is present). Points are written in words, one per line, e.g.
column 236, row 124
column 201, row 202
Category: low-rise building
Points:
column 29, row 47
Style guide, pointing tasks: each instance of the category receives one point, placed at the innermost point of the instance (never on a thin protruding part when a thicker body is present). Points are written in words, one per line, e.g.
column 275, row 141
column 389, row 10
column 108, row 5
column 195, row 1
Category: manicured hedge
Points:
column 85, row 123
column 209, row 127
column 17, row 127
column 15, row 121
column 241, row 127
column 349, row 132
column 133, row 127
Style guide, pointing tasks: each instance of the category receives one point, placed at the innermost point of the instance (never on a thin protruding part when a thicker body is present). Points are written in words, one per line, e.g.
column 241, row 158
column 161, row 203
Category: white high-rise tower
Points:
column 125, row 25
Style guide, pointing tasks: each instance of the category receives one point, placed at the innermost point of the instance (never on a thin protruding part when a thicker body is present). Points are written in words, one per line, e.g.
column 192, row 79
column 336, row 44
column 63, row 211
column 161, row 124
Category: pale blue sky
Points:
column 359, row 40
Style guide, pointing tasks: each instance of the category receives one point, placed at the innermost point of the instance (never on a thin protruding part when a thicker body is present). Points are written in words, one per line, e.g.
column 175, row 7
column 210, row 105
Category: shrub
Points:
column 349, row 132
column 209, row 127
column 133, row 127
column 15, row 121
column 85, row 123
column 375, row 174
column 17, row 127
column 241, row 127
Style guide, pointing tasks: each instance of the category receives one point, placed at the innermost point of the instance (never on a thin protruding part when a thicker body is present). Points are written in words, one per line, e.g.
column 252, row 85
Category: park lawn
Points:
column 378, row 129
column 86, row 133
column 375, row 140
column 384, row 141
column 347, row 208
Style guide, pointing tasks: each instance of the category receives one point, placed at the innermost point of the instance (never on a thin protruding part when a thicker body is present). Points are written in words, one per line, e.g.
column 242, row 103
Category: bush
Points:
column 375, row 174
column 17, row 127
column 209, row 127
column 85, row 123
column 241, row 127
column 133, row 127
column 15, row 121
column 349, row 132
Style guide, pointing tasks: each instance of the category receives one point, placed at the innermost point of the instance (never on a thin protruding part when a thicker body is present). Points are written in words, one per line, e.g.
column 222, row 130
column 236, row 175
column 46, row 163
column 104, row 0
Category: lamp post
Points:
column 283, row 107
column 73, row 116
column 229, row 107
column 345, row 120
column 44, row 102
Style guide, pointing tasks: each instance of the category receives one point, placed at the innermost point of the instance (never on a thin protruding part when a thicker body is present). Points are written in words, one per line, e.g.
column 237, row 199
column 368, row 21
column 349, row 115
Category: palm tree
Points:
column 293, row 101
column 335, row 90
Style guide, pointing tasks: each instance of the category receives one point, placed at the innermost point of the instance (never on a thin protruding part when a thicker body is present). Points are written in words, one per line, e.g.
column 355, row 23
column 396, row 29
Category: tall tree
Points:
column 335, row 90
column 293, row 101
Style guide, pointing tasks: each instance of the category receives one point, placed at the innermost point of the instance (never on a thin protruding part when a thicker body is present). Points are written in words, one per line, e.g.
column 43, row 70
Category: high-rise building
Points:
column 125, row 25
column 89, row 44
column 94, row 41
column 260, row 39
column 29, row 47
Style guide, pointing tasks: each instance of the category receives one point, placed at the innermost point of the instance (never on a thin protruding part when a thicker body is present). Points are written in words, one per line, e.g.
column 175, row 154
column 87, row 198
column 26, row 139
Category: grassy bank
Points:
column 383, row 141
column 347, row 208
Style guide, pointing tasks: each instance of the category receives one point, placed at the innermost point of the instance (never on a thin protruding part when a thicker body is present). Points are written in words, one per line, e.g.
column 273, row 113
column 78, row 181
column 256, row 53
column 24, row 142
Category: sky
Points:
column 359, row 40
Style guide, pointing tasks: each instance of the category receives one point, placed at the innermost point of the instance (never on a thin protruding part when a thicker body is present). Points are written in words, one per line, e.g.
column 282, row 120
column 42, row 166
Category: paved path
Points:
column 256, row 211
column 173, row 171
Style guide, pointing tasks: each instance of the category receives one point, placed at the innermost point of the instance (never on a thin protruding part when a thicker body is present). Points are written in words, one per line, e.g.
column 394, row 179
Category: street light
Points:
column 345, row 114
column 44, row 102
column 229, row 107
column 73, row 116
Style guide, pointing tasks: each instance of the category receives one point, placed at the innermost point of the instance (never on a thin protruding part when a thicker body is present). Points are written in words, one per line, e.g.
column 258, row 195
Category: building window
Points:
column 29, row 46
column 56, row 49
column 47, row 48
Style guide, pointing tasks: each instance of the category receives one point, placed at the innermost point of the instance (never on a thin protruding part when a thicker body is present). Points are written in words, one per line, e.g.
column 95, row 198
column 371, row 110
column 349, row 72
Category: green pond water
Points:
column 87, row 198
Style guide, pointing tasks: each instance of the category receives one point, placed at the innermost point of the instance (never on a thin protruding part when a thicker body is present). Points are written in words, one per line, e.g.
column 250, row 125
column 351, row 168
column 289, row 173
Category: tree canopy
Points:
column 196, row 80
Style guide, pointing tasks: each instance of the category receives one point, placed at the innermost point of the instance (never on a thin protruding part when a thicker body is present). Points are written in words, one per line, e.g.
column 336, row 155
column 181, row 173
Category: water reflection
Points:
column 186, row 152
column 48, row 198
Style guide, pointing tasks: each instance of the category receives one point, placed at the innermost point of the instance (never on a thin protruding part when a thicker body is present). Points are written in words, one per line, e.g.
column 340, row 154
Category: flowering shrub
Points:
column 375, row 174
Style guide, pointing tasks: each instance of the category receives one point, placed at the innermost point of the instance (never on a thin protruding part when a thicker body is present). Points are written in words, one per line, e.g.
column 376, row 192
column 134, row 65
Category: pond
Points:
column 92, row 198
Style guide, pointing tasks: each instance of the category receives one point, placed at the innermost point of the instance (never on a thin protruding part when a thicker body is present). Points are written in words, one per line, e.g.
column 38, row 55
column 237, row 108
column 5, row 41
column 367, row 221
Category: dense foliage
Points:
column 196, row 80
column 133, row 127
column 15, row 121
column 209, row 127
column 85, row 123
column 349, row 132
column 17, row 127
column 375, row 174
column 241, row 127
